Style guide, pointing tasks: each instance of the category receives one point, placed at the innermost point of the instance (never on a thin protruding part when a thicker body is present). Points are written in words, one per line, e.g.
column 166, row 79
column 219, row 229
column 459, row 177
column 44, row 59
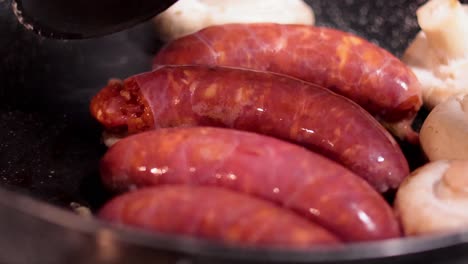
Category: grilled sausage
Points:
column 308, row 183
column 340, row 61
column 214, row 214
column 260, row 102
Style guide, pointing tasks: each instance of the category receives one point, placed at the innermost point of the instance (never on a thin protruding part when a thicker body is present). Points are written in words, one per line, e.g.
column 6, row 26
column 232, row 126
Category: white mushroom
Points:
column 439, row 53
column 444, row 133
column 434, row 198
column 188, row 16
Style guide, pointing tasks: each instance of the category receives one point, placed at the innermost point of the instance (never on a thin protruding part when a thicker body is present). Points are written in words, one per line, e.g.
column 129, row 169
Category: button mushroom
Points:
column 444, row 133
column 188, row 16
column 439, row 53
column 434, row 198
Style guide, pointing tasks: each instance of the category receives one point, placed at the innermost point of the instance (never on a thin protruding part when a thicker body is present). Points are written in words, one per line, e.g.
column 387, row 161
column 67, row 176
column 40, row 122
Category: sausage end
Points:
column 121, row 108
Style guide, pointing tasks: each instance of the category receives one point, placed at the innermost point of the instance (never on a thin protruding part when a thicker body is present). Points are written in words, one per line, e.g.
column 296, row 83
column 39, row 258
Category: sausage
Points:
column 289, row 175
column 261, row 102
column 214, row 214
column 340, row 61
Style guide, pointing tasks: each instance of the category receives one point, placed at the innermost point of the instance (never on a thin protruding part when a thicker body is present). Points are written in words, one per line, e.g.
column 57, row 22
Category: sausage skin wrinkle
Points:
column 289, row 175
column 340, row 61
column 261, row 102
column 215, row 214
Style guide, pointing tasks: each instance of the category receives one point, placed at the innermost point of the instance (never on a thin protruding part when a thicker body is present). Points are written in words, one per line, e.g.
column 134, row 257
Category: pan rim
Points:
column 61, row 218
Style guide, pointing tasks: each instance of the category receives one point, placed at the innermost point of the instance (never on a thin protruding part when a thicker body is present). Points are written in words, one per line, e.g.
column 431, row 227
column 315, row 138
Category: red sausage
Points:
column 340, row 61
column 281, row 172
column 215, row 214
column 260, row 102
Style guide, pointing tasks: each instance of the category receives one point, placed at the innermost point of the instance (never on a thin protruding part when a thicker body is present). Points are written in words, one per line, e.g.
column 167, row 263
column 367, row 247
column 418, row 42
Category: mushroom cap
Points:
column 444, row 133
column 440, row 79
column 188, row 16
column 434, row 198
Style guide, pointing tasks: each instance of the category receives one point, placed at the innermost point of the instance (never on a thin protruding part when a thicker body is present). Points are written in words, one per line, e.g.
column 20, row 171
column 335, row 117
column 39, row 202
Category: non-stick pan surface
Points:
column 50, row 148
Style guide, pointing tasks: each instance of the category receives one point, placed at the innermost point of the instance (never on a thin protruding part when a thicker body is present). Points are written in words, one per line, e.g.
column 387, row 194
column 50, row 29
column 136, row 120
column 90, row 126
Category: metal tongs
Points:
column 78, row 19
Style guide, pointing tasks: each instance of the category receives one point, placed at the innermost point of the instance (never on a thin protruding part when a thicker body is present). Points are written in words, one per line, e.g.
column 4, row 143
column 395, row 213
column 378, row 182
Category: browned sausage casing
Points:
column 215, row 214
column 281, row 172
column 340, row 61
column 260, row 102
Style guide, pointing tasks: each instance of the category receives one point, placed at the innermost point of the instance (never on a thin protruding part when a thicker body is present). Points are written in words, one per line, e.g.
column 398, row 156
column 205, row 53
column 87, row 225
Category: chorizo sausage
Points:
column 214, row 214
column 340, row 61
column 278, row 171
column 261, row 102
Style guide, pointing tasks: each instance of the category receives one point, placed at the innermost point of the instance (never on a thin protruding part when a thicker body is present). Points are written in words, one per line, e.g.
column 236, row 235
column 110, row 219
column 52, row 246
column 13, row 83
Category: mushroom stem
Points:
column 454, row 182
column 445, row 24
column 456, row 177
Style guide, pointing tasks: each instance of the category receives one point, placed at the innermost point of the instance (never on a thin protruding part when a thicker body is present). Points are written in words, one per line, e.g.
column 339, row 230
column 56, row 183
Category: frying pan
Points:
column 50, row 149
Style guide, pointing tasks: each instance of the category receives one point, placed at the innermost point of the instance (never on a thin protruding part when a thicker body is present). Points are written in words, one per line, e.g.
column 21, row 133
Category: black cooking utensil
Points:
column 77, row 19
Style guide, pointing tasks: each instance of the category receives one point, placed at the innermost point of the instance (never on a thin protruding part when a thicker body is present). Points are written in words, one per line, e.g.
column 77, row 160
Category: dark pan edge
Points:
column 93, row 228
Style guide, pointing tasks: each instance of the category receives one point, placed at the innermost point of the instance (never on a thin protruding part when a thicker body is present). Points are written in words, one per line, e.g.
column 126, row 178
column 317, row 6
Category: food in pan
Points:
column 444, row 133
column 434, row 199
column 262, row 102
column 340, row 61
column 315, row 187
column 215, row 214
column 232, row 114
column 188, row 16
column 439, row 53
